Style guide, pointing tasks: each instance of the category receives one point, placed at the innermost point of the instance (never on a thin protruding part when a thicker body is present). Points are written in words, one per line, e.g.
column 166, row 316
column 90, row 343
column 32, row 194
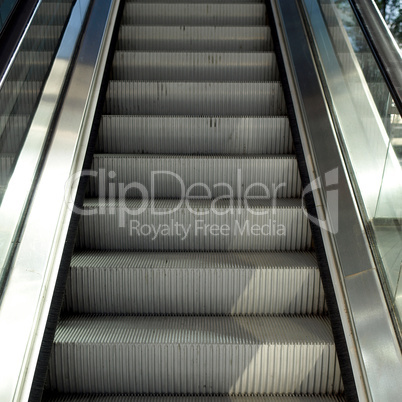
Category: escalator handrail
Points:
column 383, row 46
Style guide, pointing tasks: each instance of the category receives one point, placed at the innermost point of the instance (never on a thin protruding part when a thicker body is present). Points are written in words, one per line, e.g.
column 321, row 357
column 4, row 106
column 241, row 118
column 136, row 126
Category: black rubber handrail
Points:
column 13, row 30
column 383, row 46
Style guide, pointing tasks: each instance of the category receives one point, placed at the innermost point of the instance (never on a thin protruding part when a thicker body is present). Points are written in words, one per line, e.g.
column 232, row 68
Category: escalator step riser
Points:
column 172, row 176
column 194, row 14
column 194, row 355
column 127, row 283
column 160, row 38
column 193, row 98
column 194, row 135
column 31, row 66
column 12, row 129
column 42, row 38
column 174, row 225
column 195, row 1
column 6, row 162
column 53, row 13
column 147, row 66
column 19, row 97
column 128, row 398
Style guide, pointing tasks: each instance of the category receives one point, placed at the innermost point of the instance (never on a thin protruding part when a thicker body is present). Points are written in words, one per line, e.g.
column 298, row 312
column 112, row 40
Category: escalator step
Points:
column 6, row 162
column 31, row 66
column 274, row 176
column 180, row 66
column 194, row 283
column 194, row 225
column 194, row 98
column 19, row 97
column 181, row 38
column 55, row 13
column 194, row 14
column 128, row 398
column 194, row 355
column 194, row 135
column 42, row 38
column 12, row 130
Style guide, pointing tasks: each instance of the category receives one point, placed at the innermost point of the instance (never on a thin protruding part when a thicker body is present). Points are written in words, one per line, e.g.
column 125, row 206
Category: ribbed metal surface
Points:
column 127, row 398
column 6, row 161
column 170, row 176
column 195, row 1
column 194, row 283
column 195, row 66
column 214, row 14
column 182, row 38
column 194, row 135
column 2, row 191
column 55, row 13
column 30, row 65
column 42, row 38
column 12, row 129
column 209, row 300
column 189, row 227
column 194, row 98
column 18, row 97
column 194, row 355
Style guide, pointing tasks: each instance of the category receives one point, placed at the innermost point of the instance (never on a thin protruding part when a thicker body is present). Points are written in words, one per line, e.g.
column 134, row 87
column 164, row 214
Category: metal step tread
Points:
column 195, row 98
column 195, row 38
column 194, row 355
column 89, row 329
column 196, row 1
column 265, row 176
column 156, row 398
column 194, row 14
column 196, row 260
column 133, row 203
column 6, row 163
column 194, row 225
column 195, row 66
column 194, row 283
column 194, row 135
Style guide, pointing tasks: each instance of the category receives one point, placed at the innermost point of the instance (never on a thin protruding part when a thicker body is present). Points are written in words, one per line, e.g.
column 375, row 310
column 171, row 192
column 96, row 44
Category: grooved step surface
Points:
column 194, row 283
column 195, row 66
column 6, row 162
column 42, row 38
column 182, row 38
column 195, row 98
column 194, row 135
column 167, row 176
column 214, row 14
column 31, row 66
column 181, row 286
column 195, row 1
column 12, row 130
column 128, row 398
column 174, row 225
column 194, row 355
column 19, row 97
column 54, row 13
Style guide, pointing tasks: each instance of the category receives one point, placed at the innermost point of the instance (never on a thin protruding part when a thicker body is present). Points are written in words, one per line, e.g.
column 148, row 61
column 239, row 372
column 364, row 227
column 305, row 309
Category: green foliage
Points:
column 392, row 13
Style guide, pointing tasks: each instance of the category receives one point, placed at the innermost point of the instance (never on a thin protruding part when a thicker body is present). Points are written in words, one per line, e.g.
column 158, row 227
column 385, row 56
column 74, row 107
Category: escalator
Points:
column 201, row 282
column 193, row 225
